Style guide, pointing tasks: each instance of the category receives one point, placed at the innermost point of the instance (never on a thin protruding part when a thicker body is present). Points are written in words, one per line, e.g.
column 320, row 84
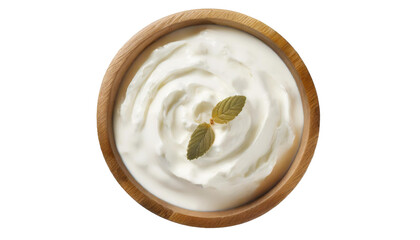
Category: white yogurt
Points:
column 173, row 86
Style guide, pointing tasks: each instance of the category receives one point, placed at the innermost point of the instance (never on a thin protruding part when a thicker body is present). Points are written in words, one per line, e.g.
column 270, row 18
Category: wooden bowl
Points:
column 144, row 38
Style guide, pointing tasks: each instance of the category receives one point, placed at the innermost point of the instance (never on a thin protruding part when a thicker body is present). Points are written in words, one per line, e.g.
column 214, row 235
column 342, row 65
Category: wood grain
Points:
column 125, row 58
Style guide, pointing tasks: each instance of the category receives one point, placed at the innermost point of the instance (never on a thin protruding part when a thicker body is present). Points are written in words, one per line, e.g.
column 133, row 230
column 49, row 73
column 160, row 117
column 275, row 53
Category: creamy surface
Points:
column 174, row 85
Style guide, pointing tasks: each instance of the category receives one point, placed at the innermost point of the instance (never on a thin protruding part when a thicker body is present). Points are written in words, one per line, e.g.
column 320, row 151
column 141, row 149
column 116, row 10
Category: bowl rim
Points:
column 126, row 56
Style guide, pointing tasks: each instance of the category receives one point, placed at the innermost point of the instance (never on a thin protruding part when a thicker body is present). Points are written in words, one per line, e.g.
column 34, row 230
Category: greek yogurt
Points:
column 173, row 86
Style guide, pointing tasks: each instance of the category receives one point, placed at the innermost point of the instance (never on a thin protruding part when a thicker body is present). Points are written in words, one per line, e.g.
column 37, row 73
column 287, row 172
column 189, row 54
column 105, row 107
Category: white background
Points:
column 363, row 182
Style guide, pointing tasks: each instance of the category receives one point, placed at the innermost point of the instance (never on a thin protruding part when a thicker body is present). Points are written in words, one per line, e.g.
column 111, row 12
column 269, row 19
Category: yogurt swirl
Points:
column 173, row 86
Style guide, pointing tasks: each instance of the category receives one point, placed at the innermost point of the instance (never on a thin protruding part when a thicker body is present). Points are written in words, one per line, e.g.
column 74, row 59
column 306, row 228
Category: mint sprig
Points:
column 203, row 136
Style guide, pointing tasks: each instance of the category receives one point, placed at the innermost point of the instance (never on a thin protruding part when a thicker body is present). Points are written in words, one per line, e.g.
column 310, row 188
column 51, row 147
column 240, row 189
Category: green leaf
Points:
column 228, row 109
column 201, row 140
